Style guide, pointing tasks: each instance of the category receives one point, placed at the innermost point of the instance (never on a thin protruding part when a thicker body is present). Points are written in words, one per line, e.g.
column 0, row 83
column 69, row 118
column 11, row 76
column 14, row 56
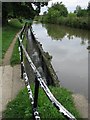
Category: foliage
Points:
column 81, row 12
column 20, row 10
column 38, row 18
column 78, row 8
column 88, row 5
column 70, row 20
column 60, row 8
column 58, row 14
column 8, row 33
column 20, row 107
column 55, row 11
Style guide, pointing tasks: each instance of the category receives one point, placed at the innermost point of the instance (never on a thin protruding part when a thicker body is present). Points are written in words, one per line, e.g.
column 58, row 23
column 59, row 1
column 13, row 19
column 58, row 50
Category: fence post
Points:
column 35, row 95
column 21, row 57
column 21, row 62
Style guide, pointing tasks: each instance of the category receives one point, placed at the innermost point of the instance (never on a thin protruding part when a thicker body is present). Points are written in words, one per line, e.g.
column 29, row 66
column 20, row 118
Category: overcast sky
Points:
column 70, row 4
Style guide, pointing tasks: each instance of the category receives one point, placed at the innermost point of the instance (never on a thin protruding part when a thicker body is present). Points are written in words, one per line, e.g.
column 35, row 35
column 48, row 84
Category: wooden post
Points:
column 35, row 97
column 21, row 57
column 21, row 62
column 36, row 92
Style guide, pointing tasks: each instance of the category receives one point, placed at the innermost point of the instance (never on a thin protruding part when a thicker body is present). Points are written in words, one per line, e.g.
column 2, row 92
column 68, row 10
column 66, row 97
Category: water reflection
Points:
column 88, row 46
column 58, row 32
column 69, row 49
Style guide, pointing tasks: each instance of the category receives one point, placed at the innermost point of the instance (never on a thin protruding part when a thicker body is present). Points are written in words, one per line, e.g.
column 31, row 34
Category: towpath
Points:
column 10, row 82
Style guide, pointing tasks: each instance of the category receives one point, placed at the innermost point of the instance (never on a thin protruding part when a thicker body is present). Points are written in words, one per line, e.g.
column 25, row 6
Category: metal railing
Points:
column 38, row 82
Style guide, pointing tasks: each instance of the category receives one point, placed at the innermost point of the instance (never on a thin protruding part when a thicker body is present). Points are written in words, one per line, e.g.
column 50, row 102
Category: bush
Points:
column 58, row 14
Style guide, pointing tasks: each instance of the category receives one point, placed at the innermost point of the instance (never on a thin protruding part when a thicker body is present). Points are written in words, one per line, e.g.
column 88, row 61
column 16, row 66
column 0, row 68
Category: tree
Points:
column 57, row 10
column 20, row 10
column 80, row 12
column 78, row 8
column 88, row 9
column 60, row 8
column 88, row 5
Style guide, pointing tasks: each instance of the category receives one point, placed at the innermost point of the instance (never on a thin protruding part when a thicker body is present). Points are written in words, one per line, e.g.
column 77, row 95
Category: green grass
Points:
column 20, row 107
column 15, row 59
column 0, row 45
column 8, row 33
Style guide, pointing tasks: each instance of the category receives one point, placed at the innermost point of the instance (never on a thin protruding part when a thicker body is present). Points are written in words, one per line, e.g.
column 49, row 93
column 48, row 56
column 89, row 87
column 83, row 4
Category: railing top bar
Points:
column 45, row 88
column 23, row 28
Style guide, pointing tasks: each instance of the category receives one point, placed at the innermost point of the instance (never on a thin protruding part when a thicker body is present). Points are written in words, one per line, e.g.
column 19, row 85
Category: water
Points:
column 34, row 54
column 68, row 48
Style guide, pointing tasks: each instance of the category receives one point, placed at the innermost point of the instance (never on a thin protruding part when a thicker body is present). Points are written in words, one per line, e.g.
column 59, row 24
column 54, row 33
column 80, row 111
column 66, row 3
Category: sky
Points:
column 70, row 4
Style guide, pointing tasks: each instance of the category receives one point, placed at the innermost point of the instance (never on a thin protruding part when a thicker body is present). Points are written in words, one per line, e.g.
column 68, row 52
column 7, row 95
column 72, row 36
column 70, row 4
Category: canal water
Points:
column 68, row 48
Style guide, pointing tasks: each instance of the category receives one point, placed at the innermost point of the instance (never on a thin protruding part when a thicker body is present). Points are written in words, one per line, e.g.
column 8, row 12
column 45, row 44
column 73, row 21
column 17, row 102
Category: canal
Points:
column 68, row 48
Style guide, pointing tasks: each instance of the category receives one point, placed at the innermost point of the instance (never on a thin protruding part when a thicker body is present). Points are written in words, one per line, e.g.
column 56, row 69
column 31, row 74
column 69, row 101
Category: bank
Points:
column 69, row 21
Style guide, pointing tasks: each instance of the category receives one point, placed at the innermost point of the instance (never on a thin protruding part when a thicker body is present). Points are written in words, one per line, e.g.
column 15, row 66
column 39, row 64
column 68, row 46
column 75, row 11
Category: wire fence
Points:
column 38, row 82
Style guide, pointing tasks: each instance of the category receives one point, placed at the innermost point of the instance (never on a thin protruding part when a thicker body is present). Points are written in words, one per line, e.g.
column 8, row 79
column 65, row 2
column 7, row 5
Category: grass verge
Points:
column 20, row 107
column 0, row 45
column 15, row 59
column 8, row 33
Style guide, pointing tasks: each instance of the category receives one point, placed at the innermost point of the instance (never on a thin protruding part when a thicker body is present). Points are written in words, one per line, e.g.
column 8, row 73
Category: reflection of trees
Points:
column 69, row 36
column 58, row 32
column 88, row 46
column 55, row 31
column 82, row 42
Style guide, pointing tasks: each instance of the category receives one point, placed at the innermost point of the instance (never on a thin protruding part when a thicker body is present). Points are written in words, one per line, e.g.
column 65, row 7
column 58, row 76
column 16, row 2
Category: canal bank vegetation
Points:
column 0, row 45
column 8, row 33
column 15, row 58
column 58, row 14
column 20, row 107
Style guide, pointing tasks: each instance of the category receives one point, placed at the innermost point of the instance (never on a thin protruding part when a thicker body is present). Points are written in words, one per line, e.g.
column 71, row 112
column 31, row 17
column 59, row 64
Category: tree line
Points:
column 58, row 14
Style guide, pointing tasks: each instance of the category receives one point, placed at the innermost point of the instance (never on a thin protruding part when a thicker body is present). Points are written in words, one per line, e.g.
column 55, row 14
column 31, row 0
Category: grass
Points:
column 20, row 107
column 0, row 45
column 15, row 59
column 8, row 33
